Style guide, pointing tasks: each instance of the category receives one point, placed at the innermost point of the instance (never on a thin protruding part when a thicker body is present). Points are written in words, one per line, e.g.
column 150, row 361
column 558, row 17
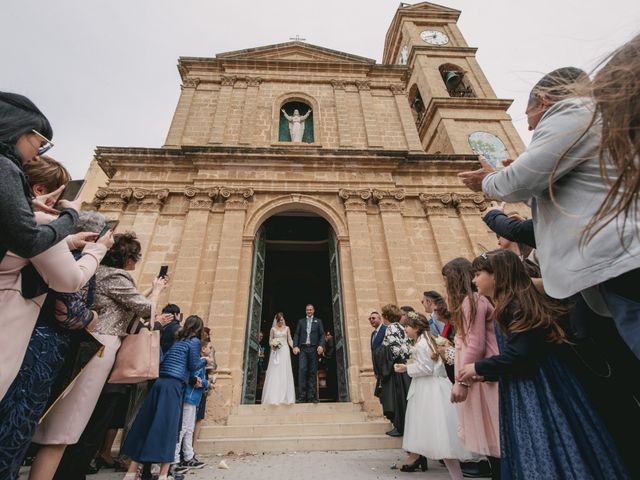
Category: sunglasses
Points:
column 48, row 143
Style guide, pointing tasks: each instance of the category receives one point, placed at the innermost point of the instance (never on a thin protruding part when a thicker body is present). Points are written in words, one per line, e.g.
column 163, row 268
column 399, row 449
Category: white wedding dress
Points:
column 279, row 388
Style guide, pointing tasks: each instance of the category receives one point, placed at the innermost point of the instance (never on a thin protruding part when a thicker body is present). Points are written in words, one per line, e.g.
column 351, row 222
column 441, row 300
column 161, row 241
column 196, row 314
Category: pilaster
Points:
column 372, row 128
column 342, row 109
column 249, row 115
column 398, row 249
column 222, row 110
column 176, row 131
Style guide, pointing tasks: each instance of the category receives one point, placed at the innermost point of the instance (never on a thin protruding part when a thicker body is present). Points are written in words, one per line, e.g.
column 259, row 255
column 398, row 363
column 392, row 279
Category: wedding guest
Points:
column 561, row 174
column 377, row 336
column 440, row 325
column 539, row 396
column 431, row 424
column 211, row 377
column 393, row 386
column 406, row 309
column 117, row 301
column 152, row 438
column 192, row 397
column 26, row 133
column 61, row 318
column 23, row 287
column 170, row 330
column 472, row 316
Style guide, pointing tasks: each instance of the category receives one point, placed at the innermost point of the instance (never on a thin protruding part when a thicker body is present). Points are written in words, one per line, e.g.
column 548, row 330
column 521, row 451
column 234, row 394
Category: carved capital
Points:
column 355, row 200
column 395, row 194
column 388, row 200
column 397, row 88
column 227, row 81
column 199, row 198
column 112, row 199
column 471, row 203
column 407, row 74
column 236, row 198
column 338, row 84
column 439, row 203
column 254, row 81
column 191, row 82
column 363, row 85
column 150, row 200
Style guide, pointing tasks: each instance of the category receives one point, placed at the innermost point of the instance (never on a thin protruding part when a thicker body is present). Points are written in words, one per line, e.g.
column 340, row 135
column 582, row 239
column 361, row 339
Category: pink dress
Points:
column 60, row 271
column 478, row 414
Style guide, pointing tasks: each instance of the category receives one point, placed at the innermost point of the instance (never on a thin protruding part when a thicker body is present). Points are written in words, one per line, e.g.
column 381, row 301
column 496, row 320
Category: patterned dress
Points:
column 28, row 395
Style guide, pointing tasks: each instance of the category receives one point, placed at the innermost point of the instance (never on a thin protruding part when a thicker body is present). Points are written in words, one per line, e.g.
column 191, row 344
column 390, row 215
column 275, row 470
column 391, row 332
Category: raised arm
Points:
column 306, row 115
column 20, row 233
column 556, row 136
column 512, row 229
column 286, row 115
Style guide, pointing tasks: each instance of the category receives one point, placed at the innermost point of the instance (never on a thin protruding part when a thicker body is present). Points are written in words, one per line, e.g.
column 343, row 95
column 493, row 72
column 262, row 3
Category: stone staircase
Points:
column 296, row 428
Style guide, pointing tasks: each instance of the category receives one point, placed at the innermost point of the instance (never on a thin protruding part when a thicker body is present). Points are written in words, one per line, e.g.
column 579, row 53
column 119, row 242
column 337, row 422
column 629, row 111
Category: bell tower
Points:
column 454, row 107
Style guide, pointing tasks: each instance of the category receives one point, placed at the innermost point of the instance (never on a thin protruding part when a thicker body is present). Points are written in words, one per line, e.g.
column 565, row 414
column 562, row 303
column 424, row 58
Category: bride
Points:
column 278, row 384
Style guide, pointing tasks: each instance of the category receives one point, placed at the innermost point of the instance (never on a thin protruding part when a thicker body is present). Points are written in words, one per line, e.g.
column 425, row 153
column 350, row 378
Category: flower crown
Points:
column 413, row 315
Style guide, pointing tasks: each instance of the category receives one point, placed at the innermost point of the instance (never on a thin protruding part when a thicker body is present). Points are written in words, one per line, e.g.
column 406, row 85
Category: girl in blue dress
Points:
column 548, row 428
column 154, row 433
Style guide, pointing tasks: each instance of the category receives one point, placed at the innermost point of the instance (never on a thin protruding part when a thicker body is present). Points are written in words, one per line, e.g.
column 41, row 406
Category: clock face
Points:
column 434, row 37
column 490, row 147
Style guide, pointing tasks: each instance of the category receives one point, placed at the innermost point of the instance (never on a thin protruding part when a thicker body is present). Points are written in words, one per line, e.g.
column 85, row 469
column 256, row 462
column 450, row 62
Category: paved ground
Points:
column 357, row 465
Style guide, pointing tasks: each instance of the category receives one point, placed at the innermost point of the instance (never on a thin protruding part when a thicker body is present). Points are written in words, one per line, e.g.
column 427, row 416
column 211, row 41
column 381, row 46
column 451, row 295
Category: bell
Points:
column 453, row 79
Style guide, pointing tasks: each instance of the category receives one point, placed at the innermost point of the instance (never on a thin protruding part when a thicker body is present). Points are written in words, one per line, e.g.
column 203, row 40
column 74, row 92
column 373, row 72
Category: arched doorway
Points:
column 295, row 263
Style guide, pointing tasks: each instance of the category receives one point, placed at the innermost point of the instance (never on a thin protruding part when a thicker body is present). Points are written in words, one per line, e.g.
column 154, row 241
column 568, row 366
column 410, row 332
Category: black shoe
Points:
column 92, row 468
column 421, row 463
column 394, row 433
column 314, row 400
column 301, row 400
column 476, row 469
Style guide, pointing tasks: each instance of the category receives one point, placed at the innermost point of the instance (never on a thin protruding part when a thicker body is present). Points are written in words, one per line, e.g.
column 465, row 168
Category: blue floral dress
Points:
column 548, row 428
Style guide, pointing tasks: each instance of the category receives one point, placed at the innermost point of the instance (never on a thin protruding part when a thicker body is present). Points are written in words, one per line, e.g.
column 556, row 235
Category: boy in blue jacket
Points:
column 198, row 384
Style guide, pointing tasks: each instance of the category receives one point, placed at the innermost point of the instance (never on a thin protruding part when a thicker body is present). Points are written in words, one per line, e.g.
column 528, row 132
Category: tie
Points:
column 309, row 330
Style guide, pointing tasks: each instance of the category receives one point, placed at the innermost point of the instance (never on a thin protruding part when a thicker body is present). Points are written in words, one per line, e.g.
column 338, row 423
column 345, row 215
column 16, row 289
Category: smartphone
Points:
column 71, row 190
column 164, row 269
column 110, row 225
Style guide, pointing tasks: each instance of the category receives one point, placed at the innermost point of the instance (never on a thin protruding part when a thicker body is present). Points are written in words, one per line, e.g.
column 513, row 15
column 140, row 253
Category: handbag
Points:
column 138, row 358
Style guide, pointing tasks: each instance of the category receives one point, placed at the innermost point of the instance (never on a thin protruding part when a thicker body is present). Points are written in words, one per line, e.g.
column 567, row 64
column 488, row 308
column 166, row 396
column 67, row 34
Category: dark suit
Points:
column 308, row 363
column 376, row 341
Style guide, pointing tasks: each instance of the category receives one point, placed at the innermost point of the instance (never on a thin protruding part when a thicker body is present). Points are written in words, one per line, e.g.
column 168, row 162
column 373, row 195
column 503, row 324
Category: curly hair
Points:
column 125, row 247
column 392, row 313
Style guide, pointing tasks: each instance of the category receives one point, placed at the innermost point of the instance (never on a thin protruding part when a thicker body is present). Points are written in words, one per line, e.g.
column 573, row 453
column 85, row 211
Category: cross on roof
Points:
column 298, row 38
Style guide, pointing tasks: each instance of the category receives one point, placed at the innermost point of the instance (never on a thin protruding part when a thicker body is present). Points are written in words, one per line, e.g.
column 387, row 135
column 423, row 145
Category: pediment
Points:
column 294, row 51
column 429, row 7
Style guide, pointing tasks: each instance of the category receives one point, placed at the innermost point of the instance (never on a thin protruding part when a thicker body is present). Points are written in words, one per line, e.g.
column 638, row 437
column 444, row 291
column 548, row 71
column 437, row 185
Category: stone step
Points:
column 296, row 408
column 298, row 418
column 214, row 432
column 297, row 444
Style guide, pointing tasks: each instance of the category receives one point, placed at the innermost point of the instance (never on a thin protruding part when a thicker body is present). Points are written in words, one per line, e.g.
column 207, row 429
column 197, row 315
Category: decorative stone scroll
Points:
column 236, row 198
column 471, row 203
column 363, row 85
column 254, row 81
column 355, row 200
column 444, row 203
column 201, row 198
column 112, row 199
column 227, row 81
column 388, row 200
column 338, row 84
column 150, row 199
column 397, row 89
column 191, row 82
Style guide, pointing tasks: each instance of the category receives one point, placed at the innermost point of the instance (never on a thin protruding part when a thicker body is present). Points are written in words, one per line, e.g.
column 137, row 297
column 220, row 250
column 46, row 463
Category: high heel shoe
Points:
column 421, row 463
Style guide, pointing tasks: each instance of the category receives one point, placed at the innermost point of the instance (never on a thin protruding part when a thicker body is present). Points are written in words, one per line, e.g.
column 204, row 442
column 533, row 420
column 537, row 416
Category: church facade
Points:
column 354, row 206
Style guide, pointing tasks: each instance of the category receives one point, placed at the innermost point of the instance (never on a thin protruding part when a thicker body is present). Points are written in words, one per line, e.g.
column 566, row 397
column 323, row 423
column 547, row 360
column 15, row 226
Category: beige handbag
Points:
column 138, row 358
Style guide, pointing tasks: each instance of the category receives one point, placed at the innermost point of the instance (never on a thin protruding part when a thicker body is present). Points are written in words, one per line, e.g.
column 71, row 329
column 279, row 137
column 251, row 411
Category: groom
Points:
column 309, row 343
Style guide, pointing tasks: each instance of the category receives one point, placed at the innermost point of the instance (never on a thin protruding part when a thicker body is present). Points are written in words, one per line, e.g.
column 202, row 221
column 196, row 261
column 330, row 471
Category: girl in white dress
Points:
column 279, row 388
column 431, row 424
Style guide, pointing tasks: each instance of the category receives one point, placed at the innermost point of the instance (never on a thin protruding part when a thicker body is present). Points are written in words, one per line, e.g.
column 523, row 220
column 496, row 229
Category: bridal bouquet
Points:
column 275, row 344
column 443, row 341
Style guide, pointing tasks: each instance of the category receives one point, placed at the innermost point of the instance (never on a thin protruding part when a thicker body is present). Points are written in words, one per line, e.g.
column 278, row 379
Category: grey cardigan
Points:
column 578, row 190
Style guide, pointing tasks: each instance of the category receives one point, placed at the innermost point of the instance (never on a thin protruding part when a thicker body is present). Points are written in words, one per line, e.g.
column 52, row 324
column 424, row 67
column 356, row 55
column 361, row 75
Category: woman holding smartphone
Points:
column 117, row 301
